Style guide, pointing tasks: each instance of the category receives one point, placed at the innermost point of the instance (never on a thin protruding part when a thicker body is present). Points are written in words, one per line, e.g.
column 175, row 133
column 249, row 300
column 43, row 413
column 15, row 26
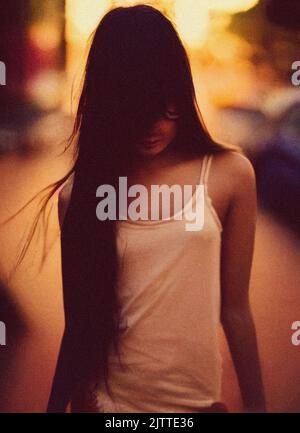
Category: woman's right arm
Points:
column 64, row 199
column 64, row 380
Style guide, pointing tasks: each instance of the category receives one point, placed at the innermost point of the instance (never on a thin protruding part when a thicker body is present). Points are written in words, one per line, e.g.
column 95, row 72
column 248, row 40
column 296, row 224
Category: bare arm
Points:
column 64, row 379
column 63, row 382
column 64, row 199
column 237, row 252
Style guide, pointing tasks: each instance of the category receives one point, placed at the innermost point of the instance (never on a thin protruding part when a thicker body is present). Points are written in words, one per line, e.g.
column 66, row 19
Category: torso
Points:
column 169, row 294
column 189, row 251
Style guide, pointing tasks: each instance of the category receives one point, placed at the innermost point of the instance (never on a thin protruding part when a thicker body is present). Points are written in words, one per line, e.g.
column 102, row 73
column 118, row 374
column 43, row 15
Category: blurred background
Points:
column 242, row 52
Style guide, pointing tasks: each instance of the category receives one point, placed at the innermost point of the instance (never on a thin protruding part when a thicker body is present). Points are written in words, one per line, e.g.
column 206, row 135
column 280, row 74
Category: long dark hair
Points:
column 136, row 66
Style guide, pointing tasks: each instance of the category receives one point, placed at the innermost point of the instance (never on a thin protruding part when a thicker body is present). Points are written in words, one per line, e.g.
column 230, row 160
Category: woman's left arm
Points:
column 237, row 251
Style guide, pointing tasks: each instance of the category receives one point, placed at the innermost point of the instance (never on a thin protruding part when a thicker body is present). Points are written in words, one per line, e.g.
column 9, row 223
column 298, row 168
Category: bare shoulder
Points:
column 237, row 171
column 64, row 198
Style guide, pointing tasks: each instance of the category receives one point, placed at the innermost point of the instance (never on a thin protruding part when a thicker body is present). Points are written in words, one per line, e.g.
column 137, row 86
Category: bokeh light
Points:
column 231, row 6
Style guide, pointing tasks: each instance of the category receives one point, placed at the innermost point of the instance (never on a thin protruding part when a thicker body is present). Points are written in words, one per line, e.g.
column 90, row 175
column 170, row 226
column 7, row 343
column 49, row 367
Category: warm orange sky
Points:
column 190, row 16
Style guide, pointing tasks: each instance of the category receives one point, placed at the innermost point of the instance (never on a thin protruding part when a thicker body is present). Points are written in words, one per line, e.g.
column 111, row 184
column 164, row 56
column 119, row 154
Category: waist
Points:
column 150, row 377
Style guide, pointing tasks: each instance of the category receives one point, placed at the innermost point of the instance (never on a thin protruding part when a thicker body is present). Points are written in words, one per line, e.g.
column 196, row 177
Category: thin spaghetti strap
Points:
column 203, row 169
column 207, row 168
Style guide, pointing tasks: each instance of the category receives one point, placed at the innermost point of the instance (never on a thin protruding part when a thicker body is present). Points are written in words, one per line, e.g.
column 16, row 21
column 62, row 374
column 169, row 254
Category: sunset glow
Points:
column 191, row 16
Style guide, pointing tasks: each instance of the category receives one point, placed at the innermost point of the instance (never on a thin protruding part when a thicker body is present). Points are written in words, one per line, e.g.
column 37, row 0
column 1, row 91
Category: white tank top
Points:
column 169, row 291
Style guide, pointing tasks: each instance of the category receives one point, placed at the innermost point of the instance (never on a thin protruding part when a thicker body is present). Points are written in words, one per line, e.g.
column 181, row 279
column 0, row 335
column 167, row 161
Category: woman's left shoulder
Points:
column 235, row 162
column 236, row 168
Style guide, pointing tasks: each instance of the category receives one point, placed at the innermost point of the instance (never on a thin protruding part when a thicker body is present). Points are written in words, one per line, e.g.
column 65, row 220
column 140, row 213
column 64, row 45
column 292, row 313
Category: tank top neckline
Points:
column 204, row 172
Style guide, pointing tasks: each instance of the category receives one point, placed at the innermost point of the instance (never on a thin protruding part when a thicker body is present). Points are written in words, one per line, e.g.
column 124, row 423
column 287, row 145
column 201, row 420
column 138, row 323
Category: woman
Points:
column 143, row 298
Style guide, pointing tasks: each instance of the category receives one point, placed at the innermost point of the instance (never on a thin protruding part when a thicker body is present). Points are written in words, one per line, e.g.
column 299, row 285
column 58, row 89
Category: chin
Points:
column 152, row 151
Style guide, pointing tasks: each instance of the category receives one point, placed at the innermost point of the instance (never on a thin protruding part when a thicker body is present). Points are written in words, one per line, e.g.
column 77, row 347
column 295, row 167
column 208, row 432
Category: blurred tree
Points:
column 13, row 19
column 22, row 55
column 271, row 28
column 285, row 13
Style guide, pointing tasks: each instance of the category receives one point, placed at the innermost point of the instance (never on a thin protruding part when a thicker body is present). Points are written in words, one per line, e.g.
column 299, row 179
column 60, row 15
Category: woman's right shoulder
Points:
column 64, row 197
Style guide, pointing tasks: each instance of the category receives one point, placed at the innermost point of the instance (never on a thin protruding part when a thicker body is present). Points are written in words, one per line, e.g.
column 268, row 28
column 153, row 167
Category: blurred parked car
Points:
column 277, row 162
column 270, row 137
